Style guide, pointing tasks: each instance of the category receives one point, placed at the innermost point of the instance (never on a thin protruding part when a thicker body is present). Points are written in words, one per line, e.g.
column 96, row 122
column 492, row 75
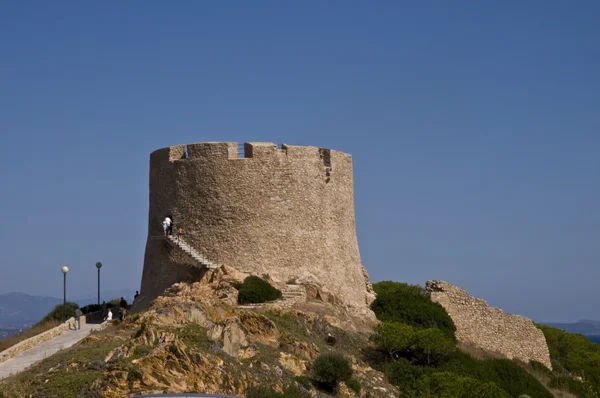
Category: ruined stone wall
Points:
column 489, row 328
column 281, row 212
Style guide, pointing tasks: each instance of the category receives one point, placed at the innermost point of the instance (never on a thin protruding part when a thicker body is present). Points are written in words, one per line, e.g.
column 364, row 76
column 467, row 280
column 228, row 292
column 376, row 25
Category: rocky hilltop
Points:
column 196, row 338
column 425, row 342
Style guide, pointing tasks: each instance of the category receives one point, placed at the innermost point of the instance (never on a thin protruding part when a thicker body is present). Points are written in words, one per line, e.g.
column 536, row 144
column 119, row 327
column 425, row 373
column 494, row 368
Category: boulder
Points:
column 235, row 341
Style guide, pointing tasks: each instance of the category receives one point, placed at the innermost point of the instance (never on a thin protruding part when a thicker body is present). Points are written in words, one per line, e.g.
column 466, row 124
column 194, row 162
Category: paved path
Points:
column 44, row 350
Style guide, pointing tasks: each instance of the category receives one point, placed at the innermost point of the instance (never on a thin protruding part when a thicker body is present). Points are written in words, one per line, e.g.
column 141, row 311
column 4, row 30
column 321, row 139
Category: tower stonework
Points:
column 277, row 211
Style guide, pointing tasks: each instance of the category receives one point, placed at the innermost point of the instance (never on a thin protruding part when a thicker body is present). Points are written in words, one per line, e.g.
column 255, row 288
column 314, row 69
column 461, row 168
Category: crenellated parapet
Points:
column 264, row 151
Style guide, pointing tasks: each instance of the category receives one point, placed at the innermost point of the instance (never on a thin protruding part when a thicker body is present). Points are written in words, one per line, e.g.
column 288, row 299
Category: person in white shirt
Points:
column 169, row 222
column 109, row 316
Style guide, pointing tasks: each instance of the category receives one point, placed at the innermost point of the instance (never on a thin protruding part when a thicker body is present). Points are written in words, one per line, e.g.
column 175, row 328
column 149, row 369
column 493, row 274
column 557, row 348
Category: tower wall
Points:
column 277, row 211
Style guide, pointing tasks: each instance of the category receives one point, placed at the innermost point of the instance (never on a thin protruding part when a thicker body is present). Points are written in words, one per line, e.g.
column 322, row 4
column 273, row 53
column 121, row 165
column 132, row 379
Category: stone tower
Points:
column 282, row 212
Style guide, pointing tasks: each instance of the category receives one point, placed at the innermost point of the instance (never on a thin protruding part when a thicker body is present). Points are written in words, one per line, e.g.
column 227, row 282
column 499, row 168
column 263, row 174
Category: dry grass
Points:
column 478, row 353
column 33, row 331
column 562, row 394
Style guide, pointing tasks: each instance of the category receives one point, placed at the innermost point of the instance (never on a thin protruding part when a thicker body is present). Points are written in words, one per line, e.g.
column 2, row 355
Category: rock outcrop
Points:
column 489, row 328
column 196, row 338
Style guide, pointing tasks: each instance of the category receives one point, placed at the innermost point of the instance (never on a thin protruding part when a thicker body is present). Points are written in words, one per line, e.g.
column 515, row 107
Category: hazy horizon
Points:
column 474, row 132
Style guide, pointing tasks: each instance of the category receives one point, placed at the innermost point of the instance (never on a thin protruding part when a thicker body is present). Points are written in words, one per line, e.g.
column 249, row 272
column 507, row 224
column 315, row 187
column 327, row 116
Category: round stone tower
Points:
column 281, row 212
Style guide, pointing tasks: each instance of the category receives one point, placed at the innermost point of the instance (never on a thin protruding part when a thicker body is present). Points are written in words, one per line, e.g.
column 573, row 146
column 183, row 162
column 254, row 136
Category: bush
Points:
column 402, row 373
column 267, row 392
column 409, row 304
column 567, row 383
column 329, row 369
column 393, row 338
column 256, row 290
column 431, row 347
column 134, row 373
column 575, row 354
column 141, row 351
column 87, row 309
column 540, row 367
column 303, row 381
column 423, row 347
column 448, row 384
column 194, row 336
column 57, row 313
column 354, row 385
column 505, row 373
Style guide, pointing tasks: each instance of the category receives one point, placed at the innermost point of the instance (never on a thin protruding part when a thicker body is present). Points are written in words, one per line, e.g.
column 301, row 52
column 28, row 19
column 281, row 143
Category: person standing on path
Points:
column 77, row 324
column 123, row 306
column 169, row 220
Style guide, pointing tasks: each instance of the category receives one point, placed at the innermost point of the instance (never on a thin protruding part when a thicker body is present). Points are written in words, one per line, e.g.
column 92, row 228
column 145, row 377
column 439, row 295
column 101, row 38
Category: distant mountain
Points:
column 20, row 308
column 17, row 308
column 585, row 327
column 595, row 323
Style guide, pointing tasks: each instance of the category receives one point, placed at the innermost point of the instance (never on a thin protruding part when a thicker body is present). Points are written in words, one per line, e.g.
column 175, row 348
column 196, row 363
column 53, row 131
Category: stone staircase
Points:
column 198, row 259
column 293, row 292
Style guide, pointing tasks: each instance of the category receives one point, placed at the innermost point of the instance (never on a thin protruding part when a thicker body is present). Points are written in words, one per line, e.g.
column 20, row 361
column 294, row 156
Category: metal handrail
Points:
column 189, row 250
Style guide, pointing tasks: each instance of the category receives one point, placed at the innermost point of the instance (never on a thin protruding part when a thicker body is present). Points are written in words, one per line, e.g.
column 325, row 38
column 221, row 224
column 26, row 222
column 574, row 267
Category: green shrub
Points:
column 354, row 385
column 540, row 367
column 134, row 373
column 420, row 346
column 393, row 338
column 505, row 373
column 91, row 308
column 57, row 313
column 431, row 347
column 303, row 381
column 194, row 336
column 402, row 373
column 140, row 351
column 409, row 304
column 575, row 354
column 70, row 384
column 256, row 290
column 567, row 383
column 329, row 369
column 450, row 385
column 290, row 391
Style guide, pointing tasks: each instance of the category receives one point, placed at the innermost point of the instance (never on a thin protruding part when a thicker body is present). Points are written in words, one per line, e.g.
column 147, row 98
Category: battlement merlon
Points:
column 168, row 154
column 252, row 150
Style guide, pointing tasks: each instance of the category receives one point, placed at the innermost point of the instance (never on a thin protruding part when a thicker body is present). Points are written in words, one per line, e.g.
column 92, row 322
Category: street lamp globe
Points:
column 98, row 265
column 65, row 269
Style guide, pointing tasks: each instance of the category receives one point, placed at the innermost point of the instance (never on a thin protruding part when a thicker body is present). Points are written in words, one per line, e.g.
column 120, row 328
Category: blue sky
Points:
column 474, row 129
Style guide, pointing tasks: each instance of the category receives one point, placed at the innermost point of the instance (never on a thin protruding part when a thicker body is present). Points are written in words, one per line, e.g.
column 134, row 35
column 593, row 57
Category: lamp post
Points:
column 98, row 265
column 64, row 270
